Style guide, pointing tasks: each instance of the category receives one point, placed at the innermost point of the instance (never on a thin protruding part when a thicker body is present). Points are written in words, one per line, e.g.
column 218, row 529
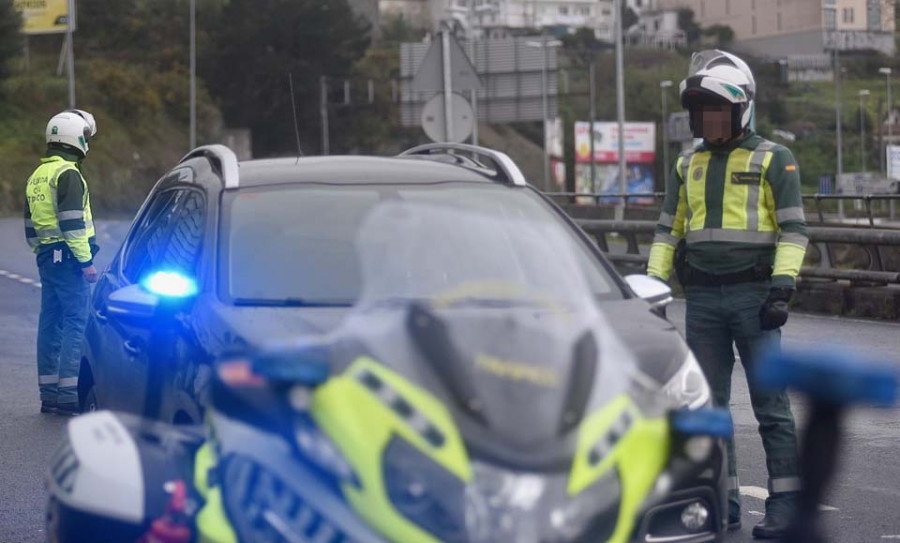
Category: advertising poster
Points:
column 640, row 142
column 640, row 180
column 43, row 16
column 640, row 155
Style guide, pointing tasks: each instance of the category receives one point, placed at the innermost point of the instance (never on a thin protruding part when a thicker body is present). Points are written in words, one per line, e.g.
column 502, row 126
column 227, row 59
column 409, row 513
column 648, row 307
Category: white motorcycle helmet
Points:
column 73, row 127
column 717, row 77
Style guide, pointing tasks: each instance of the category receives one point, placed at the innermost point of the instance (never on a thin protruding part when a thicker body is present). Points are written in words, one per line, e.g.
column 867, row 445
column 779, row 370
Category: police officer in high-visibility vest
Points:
column 733, row 228
column 59, row 227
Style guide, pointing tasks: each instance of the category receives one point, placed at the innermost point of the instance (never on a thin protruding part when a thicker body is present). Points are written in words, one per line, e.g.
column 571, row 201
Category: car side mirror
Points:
column 159, row 295
column 654, row 291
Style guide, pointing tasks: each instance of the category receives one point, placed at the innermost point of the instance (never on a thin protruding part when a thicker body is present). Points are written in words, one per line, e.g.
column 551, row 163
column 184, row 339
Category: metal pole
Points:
column 70, row 52
column 890, row 106
column 620, row 99
column 544, row 109
column 837, row 112
column 323, row 110
column 862, row 134
column 592, row 120
column 475, row 114
column 448, row 86
column 193, row 133
column 665, row 134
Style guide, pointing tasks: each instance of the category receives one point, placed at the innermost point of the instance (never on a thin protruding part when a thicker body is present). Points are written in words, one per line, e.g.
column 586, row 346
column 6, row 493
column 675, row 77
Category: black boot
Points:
column 734, row 511
column 68, row 410
column 780, row 511
column 48, row 407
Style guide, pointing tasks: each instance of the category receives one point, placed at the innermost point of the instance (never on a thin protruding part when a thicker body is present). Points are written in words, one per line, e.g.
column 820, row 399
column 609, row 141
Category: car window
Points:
column 169, row 235
column 298, row 242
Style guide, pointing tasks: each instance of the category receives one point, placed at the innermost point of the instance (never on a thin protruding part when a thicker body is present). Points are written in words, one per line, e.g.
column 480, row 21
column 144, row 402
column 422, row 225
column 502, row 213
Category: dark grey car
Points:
column 269, row 244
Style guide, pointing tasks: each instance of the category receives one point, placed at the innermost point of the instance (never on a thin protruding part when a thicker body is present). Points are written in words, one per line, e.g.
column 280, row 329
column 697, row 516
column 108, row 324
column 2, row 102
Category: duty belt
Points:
column 701, row 278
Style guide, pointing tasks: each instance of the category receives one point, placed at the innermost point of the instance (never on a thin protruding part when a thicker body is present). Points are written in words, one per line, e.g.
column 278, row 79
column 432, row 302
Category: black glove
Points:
column 774, row 311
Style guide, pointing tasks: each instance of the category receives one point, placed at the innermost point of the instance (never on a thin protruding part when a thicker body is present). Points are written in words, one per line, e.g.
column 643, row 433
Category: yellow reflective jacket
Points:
column 58, row 208
column 735, row 207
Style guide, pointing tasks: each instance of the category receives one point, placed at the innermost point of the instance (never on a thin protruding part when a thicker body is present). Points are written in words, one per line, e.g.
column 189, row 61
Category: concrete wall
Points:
column 804, row 43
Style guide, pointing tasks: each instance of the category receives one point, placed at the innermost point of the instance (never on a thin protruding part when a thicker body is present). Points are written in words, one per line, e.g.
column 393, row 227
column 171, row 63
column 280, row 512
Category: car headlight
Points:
column 424, row 492
column 688, row 387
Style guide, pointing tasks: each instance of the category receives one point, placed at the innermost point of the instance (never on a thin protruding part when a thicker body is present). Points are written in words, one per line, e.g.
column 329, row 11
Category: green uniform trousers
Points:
column 719, row 317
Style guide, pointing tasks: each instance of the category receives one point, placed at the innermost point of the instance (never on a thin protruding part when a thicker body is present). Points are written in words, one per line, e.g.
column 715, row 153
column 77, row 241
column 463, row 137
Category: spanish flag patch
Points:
column 790, row 168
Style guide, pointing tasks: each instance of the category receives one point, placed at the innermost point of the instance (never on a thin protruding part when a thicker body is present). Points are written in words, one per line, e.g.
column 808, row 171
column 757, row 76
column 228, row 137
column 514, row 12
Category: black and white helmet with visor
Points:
column 719, row 78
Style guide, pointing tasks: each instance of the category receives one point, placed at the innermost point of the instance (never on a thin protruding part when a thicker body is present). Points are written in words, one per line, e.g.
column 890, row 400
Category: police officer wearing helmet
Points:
column 733, row 227
column 59, row 228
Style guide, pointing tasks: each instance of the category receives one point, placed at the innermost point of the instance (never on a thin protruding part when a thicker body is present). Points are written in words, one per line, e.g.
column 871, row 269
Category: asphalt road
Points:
column 864, row 505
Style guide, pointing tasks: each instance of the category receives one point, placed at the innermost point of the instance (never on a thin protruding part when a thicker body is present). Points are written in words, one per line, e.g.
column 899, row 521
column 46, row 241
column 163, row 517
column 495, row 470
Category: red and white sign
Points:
column 640, row 142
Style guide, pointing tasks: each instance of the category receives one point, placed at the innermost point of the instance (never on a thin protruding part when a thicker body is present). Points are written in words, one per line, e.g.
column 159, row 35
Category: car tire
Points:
column 89, row 404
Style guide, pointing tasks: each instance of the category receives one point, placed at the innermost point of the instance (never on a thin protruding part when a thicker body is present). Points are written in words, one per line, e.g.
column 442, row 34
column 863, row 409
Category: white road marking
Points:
column 19, row 278
column 763, row 494
column 890, row 537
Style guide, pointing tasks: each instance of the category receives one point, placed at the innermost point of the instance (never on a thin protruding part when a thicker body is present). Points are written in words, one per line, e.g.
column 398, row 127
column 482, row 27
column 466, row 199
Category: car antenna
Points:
column 296, row 123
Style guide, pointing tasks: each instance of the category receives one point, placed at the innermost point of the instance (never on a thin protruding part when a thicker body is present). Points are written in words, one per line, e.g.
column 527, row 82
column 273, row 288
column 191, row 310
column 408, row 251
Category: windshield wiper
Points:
column 291, row 302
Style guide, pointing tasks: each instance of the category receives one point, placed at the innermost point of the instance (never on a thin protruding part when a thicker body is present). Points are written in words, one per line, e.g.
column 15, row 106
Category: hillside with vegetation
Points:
column 132, row 73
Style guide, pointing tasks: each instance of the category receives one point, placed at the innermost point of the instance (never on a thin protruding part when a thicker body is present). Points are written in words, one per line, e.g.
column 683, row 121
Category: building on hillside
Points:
column 783, row 28
column 657, row 28
column 505, row 18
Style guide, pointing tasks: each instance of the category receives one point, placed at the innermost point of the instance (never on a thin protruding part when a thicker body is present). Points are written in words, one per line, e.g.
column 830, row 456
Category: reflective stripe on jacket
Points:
column 51, row 220
column 734, row 207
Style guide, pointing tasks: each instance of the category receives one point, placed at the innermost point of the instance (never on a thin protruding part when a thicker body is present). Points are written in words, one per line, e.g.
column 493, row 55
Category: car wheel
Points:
column 89, row 405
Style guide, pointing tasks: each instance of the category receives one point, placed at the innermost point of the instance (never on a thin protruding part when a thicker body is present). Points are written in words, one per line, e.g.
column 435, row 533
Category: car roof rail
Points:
column 506, row 170
column 226, row 159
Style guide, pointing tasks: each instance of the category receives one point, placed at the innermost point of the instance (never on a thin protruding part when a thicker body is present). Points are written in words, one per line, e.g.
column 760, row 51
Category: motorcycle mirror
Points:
column 308, row 365
column 710, row 422
column 832, row 376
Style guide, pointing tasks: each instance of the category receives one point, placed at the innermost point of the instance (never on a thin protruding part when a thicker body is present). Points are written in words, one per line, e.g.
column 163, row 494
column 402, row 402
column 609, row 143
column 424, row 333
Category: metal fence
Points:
column 880, row 245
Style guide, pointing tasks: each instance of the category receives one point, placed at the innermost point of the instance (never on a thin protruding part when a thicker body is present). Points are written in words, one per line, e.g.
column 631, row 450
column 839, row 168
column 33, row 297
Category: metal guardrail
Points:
column 599, row 199
column 871, row 239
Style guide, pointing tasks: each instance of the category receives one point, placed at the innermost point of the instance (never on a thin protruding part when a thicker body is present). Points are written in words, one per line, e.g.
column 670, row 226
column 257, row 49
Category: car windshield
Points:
column 305, row 245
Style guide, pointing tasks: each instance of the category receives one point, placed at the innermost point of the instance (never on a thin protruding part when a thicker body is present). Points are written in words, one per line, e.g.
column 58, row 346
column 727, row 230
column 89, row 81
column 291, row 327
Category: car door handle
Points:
column 131, row 348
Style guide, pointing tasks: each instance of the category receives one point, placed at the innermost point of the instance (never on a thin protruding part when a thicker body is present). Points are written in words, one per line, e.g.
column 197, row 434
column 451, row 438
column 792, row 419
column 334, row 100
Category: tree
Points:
column 10, row 36
column 259, row 43
column 688, row 25
column 398, row 29
column 722, row 35
column 629, row 17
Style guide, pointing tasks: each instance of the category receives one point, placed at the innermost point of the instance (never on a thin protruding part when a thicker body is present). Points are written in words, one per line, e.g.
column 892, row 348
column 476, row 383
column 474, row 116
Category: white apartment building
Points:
column 501, row 18
column 782, row 28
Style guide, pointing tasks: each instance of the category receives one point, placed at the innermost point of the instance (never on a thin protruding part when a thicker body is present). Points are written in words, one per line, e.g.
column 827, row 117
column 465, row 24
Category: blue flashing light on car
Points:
column 170, row 285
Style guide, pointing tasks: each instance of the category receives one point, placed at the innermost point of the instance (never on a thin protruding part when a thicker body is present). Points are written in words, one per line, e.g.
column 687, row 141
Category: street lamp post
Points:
column 664, row 85
column 544, row 45
column 890, row 106
column 193, row 107
column 862, row 129
column 620, row 107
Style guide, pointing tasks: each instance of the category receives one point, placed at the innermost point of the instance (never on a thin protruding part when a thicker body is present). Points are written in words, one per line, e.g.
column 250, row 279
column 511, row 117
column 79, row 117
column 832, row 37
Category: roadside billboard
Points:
column 640, row 142
column 43, row 16
column 640, row 156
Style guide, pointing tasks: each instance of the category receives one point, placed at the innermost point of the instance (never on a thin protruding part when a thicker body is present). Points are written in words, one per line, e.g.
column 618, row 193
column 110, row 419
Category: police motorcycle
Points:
column 458, row 402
